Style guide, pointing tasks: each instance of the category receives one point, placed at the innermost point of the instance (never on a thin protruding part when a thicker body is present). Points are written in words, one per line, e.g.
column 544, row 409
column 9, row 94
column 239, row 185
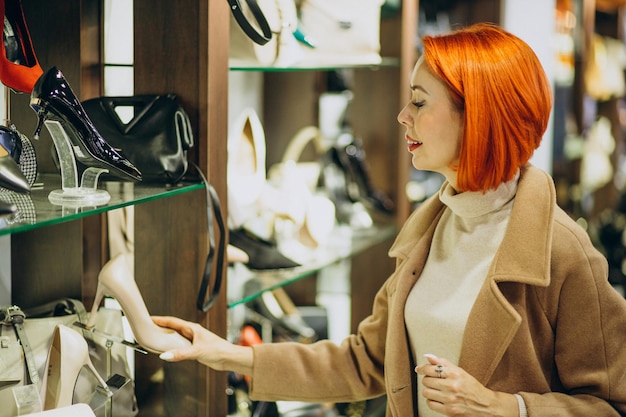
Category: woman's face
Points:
column 434, row 126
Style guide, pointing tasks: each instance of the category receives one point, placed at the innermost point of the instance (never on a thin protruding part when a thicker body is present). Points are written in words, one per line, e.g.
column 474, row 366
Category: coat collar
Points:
column 518, row 259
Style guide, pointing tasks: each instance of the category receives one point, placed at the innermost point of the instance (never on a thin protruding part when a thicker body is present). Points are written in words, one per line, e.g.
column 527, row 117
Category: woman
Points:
column 499, row 304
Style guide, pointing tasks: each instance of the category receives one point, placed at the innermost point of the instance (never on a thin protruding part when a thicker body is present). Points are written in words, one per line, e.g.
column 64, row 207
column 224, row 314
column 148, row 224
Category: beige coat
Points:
column 546, row 324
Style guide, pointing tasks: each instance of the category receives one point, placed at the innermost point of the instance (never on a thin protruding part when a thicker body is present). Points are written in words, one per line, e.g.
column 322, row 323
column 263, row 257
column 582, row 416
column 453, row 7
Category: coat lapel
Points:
column 493, row 321
column 401, row 378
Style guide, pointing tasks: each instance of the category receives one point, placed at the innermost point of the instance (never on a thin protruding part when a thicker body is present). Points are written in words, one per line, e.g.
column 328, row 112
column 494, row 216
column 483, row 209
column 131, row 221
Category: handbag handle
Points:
column 203, row 304
column 260, row 38
column 300, row 140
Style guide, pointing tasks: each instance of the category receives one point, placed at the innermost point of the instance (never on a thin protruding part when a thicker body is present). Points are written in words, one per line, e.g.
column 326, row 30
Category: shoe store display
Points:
column 282, row 227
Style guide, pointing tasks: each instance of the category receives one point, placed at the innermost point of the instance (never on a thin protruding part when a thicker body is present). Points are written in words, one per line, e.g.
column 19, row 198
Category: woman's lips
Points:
column 412, row 143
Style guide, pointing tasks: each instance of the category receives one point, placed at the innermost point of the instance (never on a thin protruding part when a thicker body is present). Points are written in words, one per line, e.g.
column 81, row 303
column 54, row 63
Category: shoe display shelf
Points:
column 385, row 62
column 355, row 243
column 34, row 210
column 183, row 50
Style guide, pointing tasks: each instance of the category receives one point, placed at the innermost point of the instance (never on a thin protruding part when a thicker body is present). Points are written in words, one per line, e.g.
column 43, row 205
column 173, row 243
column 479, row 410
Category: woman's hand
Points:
column 451, row 391
column 206, row 347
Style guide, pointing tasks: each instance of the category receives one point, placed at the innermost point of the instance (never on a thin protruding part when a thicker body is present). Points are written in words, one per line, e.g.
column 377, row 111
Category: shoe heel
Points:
column 104, row 387
column 96, row 304
column 67, row 355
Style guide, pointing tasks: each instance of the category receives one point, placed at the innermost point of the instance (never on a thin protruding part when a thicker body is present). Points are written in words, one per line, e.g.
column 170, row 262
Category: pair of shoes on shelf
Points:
column 19, row 68
column 117, row 279
column 67, row 355
column 52, row 98
column 262, row 254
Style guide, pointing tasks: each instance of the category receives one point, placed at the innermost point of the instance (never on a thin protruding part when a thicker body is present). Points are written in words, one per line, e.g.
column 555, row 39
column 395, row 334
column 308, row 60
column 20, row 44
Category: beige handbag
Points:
column 298, row 180
column 307, row 172
column 19, row 366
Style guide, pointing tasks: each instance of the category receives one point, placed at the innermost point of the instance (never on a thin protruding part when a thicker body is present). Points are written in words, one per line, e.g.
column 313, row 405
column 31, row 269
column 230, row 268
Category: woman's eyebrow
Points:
column 418, row 87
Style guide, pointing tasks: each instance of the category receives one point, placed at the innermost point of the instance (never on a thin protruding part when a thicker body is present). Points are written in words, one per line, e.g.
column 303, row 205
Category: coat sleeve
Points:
column 324, row 371
column 589, row 324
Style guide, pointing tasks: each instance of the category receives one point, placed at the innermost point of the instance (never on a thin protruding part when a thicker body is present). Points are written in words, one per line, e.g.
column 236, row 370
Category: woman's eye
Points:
column 418, row 104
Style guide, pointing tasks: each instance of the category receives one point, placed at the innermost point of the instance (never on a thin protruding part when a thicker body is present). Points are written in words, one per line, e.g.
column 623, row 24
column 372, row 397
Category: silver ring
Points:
column 439, row 370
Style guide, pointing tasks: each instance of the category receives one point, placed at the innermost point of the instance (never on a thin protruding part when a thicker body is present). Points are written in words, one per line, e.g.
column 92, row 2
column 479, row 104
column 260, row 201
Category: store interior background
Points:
column 540, row 23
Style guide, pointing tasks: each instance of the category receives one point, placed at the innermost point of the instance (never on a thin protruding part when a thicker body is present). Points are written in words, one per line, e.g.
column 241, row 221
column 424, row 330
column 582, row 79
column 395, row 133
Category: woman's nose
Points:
column 404, row 117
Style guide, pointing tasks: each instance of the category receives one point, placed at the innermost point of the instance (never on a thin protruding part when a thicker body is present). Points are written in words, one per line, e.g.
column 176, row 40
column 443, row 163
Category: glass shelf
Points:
column 343, row 248
column 385, row 63
column 35, row 210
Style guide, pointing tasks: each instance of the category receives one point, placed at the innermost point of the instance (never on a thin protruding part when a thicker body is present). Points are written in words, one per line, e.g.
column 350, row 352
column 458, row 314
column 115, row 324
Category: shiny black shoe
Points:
column 53, row 99
column 352, row 157
column 262, row 255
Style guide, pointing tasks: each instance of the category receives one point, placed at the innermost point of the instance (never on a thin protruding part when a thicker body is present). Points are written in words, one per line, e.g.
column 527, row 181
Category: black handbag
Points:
column 152, row 131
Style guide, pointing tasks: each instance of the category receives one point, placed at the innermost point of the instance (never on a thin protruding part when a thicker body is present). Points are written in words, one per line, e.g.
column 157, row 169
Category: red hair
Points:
column 499, row 83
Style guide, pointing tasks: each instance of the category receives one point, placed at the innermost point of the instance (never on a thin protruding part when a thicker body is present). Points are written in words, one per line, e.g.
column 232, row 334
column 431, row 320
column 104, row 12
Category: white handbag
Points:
column 344, row 32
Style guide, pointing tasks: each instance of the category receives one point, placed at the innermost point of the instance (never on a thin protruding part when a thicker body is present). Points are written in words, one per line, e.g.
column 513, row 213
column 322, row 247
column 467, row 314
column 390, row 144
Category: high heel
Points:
column 67, row 355
column 245, row 167
column 11, row 177
column 353, row 156
column 19, row 68
column 117, row 280
column 262, row 254
column 53, row 98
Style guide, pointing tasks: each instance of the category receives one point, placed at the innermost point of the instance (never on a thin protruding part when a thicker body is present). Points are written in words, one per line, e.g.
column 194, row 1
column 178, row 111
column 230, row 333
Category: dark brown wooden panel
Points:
column 46, row 264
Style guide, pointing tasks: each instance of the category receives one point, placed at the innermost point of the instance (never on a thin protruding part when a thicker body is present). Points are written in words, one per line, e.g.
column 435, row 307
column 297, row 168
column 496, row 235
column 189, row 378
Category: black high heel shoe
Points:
column 52, row 98
column 354, row 156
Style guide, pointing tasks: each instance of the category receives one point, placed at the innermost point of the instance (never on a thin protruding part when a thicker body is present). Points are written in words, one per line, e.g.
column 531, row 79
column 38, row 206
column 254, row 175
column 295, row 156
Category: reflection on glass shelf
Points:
column 341, row 248
column 385, row 63
column 34, row 210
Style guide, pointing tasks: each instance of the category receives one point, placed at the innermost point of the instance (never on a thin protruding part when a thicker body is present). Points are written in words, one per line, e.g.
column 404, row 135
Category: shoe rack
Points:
column 182, row 48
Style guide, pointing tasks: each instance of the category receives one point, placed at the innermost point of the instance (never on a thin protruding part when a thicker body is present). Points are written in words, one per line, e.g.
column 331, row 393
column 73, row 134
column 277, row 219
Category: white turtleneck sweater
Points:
column 464, row 244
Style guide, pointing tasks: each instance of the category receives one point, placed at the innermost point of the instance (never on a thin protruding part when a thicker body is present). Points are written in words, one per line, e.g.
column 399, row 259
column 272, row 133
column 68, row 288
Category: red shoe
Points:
column 19, row 68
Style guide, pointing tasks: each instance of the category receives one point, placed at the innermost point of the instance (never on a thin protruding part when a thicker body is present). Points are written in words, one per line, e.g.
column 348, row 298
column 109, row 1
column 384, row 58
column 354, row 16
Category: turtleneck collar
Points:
column 473, row 204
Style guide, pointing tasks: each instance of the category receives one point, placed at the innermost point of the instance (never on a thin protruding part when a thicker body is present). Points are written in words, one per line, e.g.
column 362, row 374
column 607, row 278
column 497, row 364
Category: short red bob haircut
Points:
column 496, row 79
